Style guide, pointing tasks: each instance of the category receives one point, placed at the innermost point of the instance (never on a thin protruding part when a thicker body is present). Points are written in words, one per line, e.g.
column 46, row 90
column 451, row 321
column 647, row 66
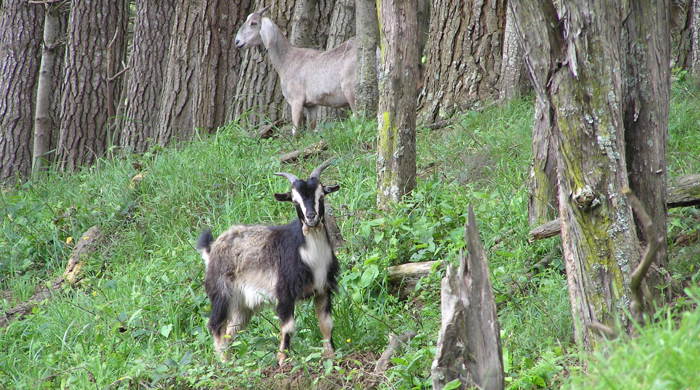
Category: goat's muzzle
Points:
column 240, row 44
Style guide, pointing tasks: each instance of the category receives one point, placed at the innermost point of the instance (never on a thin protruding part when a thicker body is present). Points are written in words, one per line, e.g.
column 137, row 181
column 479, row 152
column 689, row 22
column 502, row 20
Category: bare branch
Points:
column 604, row 330
column 121, row 72
column 654, row 241
column 394, row 343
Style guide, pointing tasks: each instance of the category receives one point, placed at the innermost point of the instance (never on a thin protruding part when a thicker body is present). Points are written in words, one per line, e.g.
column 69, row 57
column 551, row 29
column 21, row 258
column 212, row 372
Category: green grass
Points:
column 138, row 317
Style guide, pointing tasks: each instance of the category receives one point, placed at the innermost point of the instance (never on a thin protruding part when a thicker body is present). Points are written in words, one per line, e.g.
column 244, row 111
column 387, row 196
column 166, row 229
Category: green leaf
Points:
column 368, row 276
column 166, row 329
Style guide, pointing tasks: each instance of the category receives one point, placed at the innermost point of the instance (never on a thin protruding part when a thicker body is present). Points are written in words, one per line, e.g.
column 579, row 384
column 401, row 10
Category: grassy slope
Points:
column 139, row 315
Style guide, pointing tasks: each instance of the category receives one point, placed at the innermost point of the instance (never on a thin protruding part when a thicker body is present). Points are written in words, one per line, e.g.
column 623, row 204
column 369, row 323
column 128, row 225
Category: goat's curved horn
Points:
column 289, row 176
column 264, row 9
column 317, row 172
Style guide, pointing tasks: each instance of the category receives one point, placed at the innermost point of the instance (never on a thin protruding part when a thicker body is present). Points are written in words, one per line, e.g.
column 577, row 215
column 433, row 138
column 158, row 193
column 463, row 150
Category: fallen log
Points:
column 683, row 191
column 403, row 278
column 314, row 149
column 469, row 345
column 83, row 248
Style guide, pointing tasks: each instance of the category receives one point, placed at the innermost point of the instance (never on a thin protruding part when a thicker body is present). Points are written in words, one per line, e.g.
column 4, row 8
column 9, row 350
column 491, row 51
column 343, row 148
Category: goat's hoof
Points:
column 281, row 360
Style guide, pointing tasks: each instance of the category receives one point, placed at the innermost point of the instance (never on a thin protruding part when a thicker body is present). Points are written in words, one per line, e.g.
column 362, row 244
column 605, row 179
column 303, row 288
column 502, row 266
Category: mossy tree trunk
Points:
column 218, row 61
column 464, row 53
column 584, row 86
column 396, row 142
column 20, row 47
column 151, row 42
column 96, row 31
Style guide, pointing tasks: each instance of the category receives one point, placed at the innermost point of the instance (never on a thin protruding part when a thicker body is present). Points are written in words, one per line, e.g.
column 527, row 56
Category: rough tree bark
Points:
column 366, row 93
column 647, row 88
column 149, row 49
column 396, row 141
column 218, row 61
column 175, row 121
column 681, row 33
column 20, row 43
column 469, row 344
column 50, row 71
column 585, row 89
column 513, row 79
column 96, row 31
column 464, row 56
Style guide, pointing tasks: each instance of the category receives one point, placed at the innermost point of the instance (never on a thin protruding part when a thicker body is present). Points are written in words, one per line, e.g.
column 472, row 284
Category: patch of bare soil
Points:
column 357, row 368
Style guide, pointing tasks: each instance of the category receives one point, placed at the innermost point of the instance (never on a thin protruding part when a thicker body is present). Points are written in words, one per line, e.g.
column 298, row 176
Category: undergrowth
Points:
column 138, row 316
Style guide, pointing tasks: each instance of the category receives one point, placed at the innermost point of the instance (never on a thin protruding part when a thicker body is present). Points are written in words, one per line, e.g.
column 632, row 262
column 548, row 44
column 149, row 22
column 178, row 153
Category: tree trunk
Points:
column 341, row 28
column 150, row 47
column 396, row 142
column 586, row 95
column 20, row 42
column 542, row 196
column 647, row 94
column 218, row 62
column 681, row 33
column 542, row 204
column 175, row 119
column 513, row 80
column 694, row 63
column 464, row 56
column 47, row 98
column 94, row 55
column 366, row 93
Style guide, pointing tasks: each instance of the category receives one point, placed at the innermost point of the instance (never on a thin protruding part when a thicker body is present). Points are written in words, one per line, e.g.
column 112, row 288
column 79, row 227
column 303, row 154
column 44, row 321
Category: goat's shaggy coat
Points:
column 249, row 265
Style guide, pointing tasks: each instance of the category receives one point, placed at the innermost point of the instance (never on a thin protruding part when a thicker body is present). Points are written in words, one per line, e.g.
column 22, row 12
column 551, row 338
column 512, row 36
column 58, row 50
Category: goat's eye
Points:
column 253, row 23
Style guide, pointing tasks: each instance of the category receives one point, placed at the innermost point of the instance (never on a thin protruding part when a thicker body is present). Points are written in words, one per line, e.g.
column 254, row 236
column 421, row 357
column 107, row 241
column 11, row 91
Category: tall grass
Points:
column 138, row 316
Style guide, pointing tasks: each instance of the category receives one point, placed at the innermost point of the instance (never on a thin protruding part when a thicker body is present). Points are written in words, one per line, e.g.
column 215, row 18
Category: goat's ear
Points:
column 285, row 197
column 329, row 189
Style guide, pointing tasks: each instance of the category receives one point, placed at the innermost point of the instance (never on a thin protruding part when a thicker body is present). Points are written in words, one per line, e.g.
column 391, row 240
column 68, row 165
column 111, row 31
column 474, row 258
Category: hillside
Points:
column 138, row 316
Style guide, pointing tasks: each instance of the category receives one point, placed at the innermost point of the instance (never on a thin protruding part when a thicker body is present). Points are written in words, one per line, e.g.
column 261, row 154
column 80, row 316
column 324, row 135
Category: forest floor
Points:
column 137, row 316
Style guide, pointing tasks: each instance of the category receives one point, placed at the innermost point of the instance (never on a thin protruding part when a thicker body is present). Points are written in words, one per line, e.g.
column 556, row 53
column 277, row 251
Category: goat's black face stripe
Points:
column 308, row 197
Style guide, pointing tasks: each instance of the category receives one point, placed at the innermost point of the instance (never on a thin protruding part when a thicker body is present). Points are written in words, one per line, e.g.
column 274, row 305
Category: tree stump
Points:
column 469, row 345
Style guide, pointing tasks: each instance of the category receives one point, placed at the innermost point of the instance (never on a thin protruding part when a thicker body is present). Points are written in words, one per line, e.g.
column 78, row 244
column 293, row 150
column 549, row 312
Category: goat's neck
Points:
column 275, row 42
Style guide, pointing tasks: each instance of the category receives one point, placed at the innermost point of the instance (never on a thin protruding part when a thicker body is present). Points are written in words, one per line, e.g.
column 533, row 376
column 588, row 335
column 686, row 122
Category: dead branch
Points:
column 438, row 124
column 394, row 343
column 409, row 270
column 121, row 72
column 266, row 131
column 654, row 241
column 312, row 150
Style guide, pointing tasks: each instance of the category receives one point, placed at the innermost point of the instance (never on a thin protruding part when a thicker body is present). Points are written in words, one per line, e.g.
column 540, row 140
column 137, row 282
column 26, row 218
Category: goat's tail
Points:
column 204, row 245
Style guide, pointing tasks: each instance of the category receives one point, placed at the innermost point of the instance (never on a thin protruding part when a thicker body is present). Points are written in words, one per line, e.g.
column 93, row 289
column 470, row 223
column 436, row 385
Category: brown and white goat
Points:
column 249, row 265
column 309, row 77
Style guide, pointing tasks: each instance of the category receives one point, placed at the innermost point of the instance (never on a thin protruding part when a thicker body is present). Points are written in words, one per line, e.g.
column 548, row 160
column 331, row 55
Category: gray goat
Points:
column 309, row 78
column 249, row 265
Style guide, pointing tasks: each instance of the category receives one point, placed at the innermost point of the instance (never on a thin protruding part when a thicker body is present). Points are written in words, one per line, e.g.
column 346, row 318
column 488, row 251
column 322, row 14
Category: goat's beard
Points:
column 306, row 228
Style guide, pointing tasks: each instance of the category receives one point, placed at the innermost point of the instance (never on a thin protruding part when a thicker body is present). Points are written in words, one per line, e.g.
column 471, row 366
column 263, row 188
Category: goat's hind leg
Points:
column 297, row 115
column 322, row 303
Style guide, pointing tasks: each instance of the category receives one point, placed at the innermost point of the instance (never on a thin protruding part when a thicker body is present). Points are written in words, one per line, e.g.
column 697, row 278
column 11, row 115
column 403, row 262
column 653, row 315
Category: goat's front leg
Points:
column 285, row 312
column 297, row 111
column 322, row 302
